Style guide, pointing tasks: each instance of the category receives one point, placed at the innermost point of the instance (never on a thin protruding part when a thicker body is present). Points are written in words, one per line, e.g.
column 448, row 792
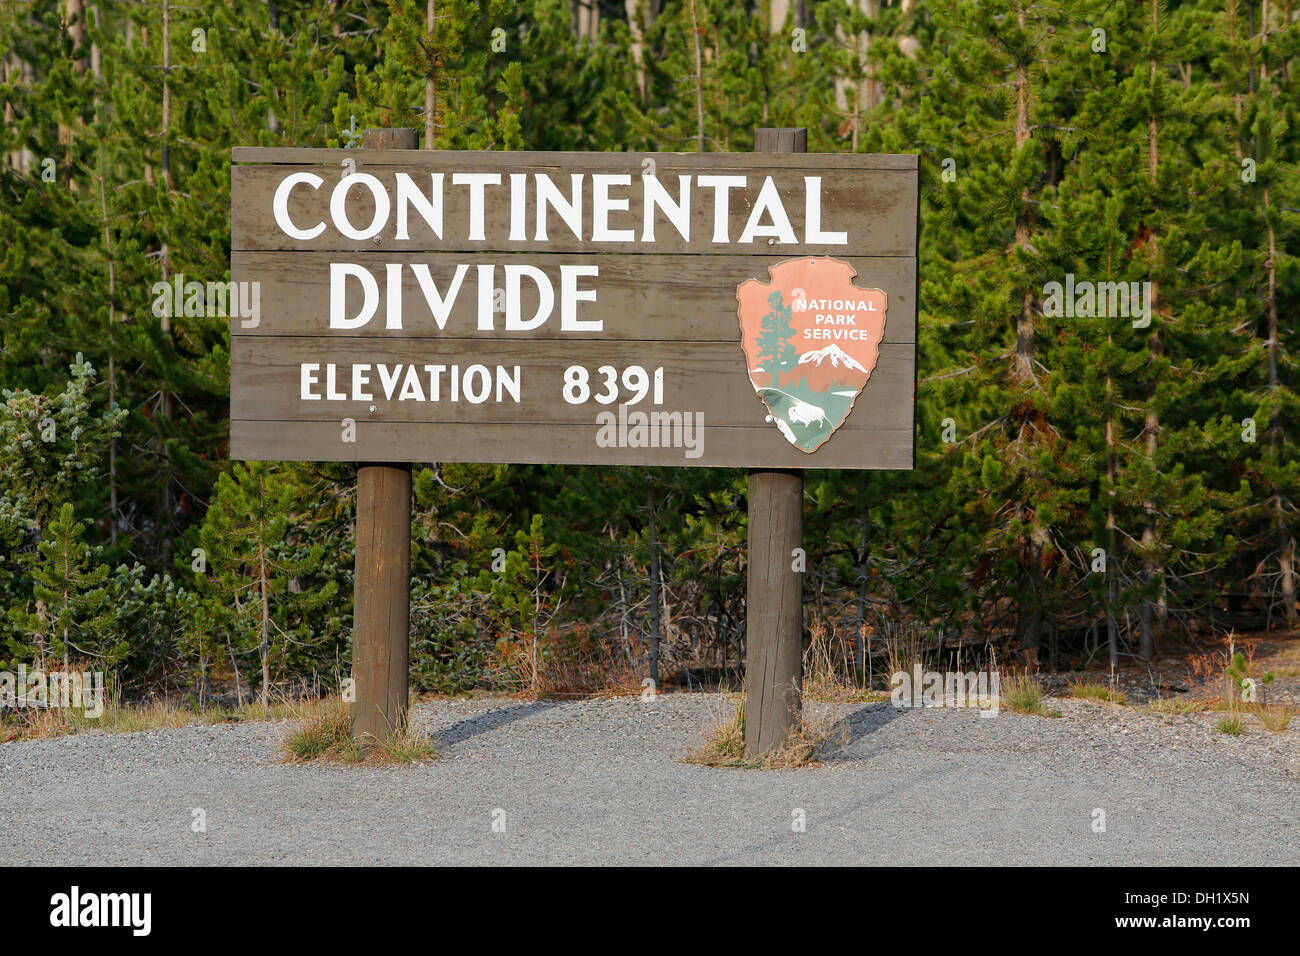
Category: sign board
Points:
column 720, row 309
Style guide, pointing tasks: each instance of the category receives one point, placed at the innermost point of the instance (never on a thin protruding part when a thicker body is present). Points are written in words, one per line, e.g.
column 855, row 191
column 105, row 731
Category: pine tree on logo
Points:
column 776, row 351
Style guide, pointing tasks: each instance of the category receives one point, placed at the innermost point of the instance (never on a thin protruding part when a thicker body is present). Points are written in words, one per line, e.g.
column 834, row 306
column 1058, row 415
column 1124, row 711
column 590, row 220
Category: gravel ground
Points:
column 601, row 782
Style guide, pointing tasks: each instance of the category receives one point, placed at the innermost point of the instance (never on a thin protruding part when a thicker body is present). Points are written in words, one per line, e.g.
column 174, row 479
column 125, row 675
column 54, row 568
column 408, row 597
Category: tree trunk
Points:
column 96, row 66
column 1029, row 619
column 164, row 399
column 699, row 81
column 861, row 45
column 1112, row 574
column 654, row 593
column 586, row 20
column 165, row 153
column 430, row 86
column 110, row 345
column 1236, row 90
column 1150, row 568
column 638, row 42
column 74, row 19
column 860, row 644
column 273, row 22
column 265, row 642
column 1285, row 544
column 1112, row 624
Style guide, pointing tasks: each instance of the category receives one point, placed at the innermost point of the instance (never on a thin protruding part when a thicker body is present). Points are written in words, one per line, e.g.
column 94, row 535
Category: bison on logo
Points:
column 811, row 340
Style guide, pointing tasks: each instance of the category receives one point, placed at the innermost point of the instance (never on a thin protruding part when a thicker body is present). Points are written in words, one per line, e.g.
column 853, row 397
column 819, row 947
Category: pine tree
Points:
column 440, row 74
column 1122, row 216
column 992, row 104
column 1271, row 104
column 68, row 597
column 50, row 455
column 249, row 592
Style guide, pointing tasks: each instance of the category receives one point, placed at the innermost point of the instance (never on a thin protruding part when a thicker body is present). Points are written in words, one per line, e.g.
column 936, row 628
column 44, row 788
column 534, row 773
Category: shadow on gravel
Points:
column 482, row 723
column 861, row 723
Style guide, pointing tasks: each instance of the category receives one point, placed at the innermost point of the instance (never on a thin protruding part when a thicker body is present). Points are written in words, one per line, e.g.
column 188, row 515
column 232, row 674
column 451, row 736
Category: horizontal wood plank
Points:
column 704, row 377
column 723, row 447
column 876, row 208
column 305, row 156
column 665, row 298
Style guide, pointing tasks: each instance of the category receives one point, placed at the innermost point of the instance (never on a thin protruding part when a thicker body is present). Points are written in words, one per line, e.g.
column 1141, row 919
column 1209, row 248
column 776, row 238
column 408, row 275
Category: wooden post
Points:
column 774, row 590
column 381, row 579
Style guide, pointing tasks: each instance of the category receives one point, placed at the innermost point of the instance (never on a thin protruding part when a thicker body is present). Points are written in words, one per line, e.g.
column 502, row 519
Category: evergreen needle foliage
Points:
column 1088, row 487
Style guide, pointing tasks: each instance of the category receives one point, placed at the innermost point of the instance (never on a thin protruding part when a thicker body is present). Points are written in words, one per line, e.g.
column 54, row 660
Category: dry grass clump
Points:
column 1230, row 725
column 1096, row 690
column 1022, row 694
column 1224, row 679
column 406, row 745
column 568, row 663
column 828, row 668
column 127, row 718
column 326, row 737
column 814, row 737
column 724, row 743
column 904, row 649
column 38, row 723
column 1274, row 717
column 1175, row 705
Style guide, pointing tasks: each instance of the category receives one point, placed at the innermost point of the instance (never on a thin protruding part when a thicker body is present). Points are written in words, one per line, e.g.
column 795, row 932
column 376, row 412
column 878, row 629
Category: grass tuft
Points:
column 406, row 745
column 1230, row 725
column 829, row 671
column 1022, row 695
column 154, row 714
column 724, row 743
column 1275, row 717
column 326, row 737
column 1096, row 690
column 1175, row 705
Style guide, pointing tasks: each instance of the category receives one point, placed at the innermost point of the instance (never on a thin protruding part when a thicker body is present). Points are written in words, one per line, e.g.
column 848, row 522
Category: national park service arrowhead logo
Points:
column 811, row 340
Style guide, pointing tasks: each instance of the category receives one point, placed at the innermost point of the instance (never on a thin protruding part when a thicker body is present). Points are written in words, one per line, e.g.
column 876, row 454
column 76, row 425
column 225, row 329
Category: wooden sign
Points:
column 717, row 309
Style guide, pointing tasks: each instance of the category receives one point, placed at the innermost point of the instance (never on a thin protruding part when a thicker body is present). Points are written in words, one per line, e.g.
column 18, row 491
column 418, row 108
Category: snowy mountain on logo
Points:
column 835, row 354
column 808, row 394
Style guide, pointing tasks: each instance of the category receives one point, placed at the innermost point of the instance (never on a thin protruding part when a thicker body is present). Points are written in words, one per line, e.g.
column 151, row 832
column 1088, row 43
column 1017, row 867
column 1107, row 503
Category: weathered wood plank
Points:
column 266, row 381
column 305, row 156
column 724, row 446
column 877, row 210
column 667, row 298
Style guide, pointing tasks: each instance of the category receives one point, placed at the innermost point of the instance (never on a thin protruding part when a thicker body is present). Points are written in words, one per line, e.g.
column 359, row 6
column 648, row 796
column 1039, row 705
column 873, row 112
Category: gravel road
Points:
column 601, row 782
